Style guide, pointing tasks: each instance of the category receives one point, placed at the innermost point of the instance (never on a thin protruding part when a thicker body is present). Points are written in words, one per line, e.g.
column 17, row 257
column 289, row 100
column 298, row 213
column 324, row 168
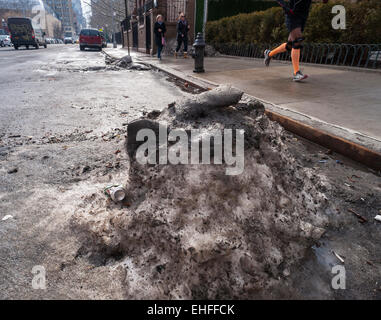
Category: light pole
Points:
column 128, row 38
column 205, row 16
column 113, row 30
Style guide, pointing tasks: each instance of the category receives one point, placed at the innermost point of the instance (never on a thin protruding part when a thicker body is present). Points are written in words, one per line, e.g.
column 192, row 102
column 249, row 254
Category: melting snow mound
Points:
column 193, row 232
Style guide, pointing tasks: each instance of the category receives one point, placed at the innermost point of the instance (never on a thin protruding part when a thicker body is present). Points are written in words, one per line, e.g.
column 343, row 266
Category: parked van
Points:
column 24, row 34
column 90, row 38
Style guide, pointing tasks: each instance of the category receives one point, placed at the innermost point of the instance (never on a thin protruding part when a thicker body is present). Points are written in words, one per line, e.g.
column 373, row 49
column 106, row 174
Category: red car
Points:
column 90, row 38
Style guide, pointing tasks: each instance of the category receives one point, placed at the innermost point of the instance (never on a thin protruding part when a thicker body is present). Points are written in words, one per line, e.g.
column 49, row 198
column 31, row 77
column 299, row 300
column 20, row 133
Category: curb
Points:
column 199, row 84
column 345, row 147
column 349, row 149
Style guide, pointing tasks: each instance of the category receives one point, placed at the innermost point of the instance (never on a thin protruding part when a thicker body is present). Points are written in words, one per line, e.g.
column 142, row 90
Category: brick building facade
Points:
column 143, row 17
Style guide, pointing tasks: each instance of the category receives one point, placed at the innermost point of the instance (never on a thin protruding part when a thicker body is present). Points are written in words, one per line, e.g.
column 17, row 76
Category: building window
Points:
column 174, row 7
column 141, row 15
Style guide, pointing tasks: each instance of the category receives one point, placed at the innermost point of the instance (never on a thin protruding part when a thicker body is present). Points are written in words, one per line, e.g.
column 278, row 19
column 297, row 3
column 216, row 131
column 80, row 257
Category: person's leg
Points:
column 185, row 47
column 179, row 41
column 296, row 37
column 282, row 48
column 159, row 50
column 297, row 43
column 295, row 57
column 287, row 46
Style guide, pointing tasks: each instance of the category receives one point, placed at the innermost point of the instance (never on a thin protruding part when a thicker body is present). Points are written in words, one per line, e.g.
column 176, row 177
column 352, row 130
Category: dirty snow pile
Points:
column 125, row 62
column 193, row 232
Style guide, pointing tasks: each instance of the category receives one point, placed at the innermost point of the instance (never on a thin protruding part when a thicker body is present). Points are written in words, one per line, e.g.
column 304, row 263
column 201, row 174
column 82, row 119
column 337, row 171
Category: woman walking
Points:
column 182, row 35
column 160, row 30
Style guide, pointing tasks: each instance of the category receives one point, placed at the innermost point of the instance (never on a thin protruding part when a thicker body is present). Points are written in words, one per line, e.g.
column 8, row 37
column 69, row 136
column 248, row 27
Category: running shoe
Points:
column 267, row 57
column 299, row 76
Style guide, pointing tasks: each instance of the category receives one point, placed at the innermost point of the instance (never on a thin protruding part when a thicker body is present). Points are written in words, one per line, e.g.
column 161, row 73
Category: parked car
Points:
column 5, row 41
column 90, row 38
column 23, row 33
column 68, row 40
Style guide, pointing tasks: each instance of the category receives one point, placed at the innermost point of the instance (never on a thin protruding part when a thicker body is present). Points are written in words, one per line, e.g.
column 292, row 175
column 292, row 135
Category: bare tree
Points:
column 102, row 13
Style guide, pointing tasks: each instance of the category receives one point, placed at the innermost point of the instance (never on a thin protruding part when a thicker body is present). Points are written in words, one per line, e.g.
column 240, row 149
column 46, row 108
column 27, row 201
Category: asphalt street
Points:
column 62, row 129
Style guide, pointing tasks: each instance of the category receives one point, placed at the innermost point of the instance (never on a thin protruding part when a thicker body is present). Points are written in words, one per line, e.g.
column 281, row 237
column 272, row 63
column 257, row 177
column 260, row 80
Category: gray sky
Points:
column 86, row 10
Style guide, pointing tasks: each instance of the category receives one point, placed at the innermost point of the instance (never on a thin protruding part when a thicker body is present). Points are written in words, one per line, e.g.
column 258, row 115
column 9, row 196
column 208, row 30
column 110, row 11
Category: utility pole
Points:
column 113, row 30
column 128, row 38
column 113, row 13
column 205, row 16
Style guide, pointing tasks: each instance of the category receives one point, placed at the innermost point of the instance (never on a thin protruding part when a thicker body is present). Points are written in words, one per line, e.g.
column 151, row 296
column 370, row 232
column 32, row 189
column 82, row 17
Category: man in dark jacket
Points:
column 159, row 30
column 182, row 35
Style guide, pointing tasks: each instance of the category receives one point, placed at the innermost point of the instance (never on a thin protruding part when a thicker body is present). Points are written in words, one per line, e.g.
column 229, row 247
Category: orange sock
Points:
column 295, row 57
column 280, row 49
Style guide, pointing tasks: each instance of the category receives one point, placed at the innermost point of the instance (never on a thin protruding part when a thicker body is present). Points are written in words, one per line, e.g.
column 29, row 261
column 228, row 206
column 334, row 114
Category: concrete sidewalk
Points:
column 345, row 103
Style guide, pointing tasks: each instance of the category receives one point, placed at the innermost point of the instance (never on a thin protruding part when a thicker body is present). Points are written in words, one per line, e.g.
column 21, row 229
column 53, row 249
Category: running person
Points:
column 296, row 17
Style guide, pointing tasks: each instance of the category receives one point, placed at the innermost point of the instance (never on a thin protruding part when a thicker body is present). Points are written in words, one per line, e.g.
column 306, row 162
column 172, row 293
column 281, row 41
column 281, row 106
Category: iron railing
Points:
column 148, row 5
column 126, row 23
column 141, row 15
column 174, row 8
column 353, row 55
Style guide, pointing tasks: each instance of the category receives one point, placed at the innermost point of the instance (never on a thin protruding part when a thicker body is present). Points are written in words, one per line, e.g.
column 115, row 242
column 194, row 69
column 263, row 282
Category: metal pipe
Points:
column 127, row 20
column 205, row 16
column 113, row 30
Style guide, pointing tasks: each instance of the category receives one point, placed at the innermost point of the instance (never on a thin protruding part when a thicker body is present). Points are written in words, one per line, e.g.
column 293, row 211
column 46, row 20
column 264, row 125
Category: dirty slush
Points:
column 192, row 232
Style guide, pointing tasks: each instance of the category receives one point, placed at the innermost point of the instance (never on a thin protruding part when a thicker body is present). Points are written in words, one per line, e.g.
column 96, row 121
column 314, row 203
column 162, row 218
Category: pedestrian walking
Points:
column 296, row 13
column 160, row 30
column 182, row 35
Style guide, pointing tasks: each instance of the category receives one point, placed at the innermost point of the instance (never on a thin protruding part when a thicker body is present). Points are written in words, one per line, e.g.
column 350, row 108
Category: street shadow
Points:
column 19, row 49
column 91, row 50
column 7, row 49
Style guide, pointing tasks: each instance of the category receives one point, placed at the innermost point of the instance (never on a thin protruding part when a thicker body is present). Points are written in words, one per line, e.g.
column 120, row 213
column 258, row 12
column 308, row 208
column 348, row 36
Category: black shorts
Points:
column 293, row 22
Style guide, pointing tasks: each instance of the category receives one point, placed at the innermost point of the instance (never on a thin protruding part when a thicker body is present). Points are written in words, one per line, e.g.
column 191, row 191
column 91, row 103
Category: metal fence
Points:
column 148, row 5
column 126, row 23
column 358, row 55
column 174, row 8
column 141, row 12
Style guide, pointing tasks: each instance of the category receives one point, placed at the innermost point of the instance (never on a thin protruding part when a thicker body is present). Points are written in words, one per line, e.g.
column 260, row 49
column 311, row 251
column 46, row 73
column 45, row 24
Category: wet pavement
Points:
column 343, row 102
column 62, row 134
